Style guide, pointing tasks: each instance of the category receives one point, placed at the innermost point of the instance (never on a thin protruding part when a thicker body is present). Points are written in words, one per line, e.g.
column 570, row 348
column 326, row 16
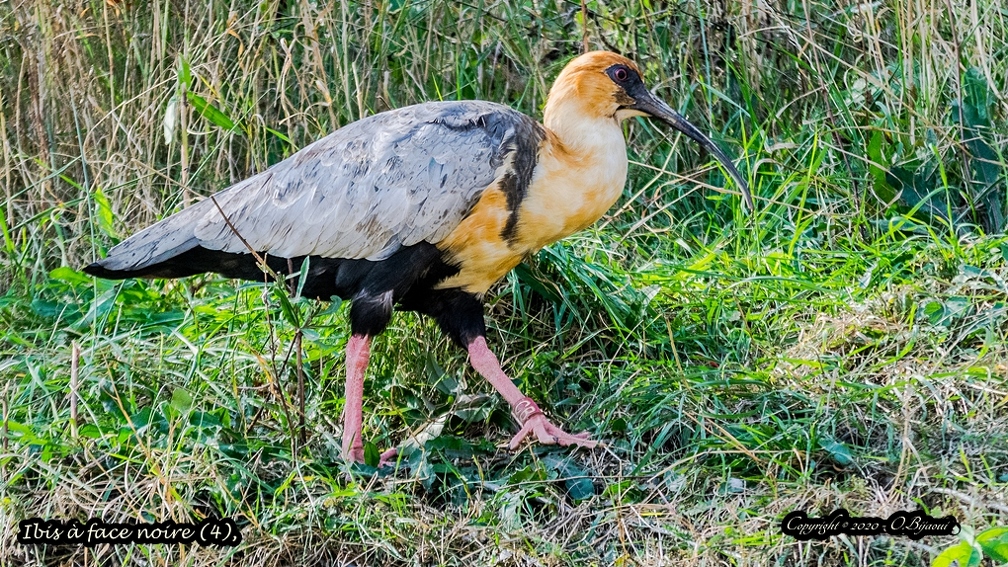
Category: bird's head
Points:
column 601, row 85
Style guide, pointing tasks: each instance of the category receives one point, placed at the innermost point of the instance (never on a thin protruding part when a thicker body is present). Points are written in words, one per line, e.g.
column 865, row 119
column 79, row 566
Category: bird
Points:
column 422, row 208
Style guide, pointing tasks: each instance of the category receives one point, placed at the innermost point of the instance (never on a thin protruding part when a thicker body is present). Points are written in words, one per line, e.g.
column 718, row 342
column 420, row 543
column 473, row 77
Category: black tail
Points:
column 320, row 283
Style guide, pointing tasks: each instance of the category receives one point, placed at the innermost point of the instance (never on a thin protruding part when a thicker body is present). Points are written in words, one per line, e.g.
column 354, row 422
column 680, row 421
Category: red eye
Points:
column 621, row 74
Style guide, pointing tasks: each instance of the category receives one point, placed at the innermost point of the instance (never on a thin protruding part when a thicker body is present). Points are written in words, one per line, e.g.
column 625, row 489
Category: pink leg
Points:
column 358, row 353
column 522, row 408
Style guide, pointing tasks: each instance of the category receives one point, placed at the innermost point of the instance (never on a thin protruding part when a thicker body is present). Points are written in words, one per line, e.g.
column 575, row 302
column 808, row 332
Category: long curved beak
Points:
column 655, row 107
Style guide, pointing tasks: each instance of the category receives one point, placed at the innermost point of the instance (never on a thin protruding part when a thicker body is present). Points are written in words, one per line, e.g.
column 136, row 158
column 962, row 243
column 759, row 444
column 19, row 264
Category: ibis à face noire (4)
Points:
column 422, row 208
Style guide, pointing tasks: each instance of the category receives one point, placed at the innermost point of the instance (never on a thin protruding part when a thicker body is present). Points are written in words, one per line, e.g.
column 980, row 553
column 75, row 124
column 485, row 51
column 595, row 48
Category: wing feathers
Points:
column 393, row 179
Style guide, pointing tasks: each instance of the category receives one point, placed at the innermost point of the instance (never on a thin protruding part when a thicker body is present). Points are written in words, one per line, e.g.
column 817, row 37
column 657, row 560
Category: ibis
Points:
column 421, row 209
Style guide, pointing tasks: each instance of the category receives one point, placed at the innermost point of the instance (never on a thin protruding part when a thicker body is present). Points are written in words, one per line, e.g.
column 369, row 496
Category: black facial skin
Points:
column 630, row 81
column 636, row 96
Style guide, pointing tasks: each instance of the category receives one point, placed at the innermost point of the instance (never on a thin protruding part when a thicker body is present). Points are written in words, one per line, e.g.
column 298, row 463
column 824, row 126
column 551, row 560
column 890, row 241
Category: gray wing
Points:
column 391, row 180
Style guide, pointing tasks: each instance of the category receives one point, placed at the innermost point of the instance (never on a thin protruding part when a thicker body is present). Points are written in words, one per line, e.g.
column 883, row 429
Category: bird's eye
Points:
column 621, row 74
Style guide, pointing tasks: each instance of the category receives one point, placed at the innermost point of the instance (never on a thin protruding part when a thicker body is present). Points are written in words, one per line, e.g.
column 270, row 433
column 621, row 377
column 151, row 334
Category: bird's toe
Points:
column 548, row 434
column 388, row 458
column 520, row 436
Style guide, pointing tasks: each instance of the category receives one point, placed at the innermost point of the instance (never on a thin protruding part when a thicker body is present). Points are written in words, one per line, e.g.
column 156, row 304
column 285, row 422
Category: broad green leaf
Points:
column 840, row 453
column 877, row 164
column 577, row 481
column 289, row 312
column 181, row 399
column 70, row 276
column 934, row 311
column 371, row 455
column 524, row 474
column 994, row 543
column 303, row 275
column 210, row 112
column 985, row 170
column 978, row 96
column 23, row 433
column 960, row 555
column 104, row 212
column 91, row 431
column 141, row 419
column 579, row 487
column 8, row 241
column 184, row 73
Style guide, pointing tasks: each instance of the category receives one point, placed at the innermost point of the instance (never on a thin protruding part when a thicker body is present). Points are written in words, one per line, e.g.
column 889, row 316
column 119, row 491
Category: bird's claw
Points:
column 534, row 421
column 388, row 458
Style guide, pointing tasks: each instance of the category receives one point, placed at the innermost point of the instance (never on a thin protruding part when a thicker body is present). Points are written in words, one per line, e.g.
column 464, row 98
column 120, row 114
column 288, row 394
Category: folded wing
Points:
column 391, row 180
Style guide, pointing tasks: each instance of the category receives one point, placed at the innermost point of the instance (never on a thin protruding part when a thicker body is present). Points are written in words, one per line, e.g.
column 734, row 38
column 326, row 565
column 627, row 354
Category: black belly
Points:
column 407, row 278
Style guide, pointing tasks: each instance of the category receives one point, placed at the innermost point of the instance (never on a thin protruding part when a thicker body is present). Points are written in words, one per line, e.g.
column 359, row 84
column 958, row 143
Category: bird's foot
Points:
column 388, row 458
column 527, row 413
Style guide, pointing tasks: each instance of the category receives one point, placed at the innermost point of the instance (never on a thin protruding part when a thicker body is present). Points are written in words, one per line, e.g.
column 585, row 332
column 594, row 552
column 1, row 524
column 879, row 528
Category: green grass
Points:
column 844, row 346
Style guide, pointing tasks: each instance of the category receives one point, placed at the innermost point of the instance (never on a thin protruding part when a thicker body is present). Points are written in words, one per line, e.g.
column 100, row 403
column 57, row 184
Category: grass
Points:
column 842, row 347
